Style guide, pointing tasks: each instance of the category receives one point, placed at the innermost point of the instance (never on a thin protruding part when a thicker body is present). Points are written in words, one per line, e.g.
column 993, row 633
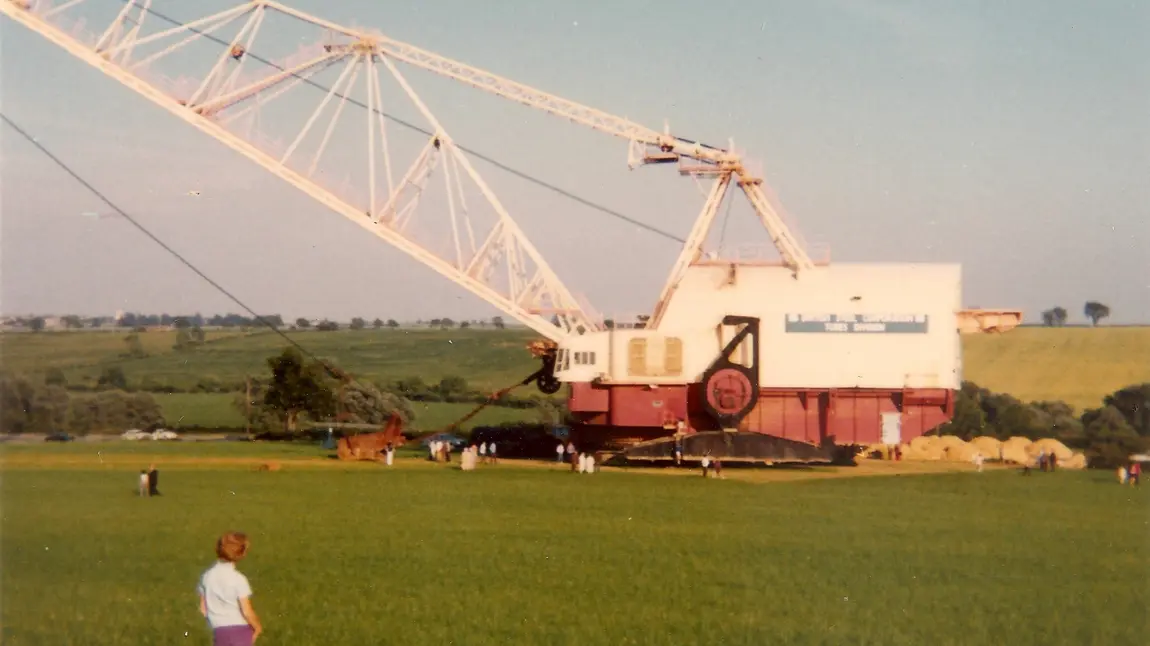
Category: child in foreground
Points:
column 225, row 595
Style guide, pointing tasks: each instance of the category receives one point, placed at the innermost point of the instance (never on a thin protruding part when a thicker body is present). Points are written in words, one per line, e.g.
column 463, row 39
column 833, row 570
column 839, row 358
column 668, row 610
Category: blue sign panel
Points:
column 857, row 323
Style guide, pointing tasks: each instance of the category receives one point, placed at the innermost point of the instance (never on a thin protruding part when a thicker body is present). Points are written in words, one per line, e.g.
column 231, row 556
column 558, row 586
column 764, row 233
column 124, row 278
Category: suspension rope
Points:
column 411, row 126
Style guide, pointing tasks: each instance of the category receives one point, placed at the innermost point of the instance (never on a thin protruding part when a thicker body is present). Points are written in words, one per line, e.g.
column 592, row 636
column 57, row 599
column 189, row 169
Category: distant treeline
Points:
column 142, row 322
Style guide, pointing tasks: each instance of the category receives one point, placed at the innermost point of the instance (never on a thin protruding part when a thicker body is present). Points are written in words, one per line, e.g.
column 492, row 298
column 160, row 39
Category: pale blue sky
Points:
column 1012, row 137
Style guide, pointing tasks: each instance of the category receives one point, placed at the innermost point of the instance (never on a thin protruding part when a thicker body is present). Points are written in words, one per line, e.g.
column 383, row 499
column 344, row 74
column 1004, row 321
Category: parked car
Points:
column 163, row 434
column 58, row 437
column 135, row 434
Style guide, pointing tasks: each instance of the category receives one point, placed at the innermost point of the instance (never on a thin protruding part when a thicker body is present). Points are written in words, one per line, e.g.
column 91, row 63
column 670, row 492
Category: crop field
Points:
column 1079, row 366
column 528, row 553
column 489, row 359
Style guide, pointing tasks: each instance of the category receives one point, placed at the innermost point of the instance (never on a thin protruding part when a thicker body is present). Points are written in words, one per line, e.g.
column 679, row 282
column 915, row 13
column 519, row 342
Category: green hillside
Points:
column 1079, row 366
column 1076, row 365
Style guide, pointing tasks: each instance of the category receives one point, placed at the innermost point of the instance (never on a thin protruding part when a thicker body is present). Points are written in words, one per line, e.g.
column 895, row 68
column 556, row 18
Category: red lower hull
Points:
column 617, row 414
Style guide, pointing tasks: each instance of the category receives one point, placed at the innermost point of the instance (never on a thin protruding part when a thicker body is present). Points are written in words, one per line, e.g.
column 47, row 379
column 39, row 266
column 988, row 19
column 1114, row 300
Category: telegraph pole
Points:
column 248, row 400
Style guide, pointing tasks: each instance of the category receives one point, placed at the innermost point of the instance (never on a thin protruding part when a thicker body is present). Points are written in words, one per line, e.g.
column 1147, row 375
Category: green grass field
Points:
column 489, row 359
column 423, row 554
column 216, row 411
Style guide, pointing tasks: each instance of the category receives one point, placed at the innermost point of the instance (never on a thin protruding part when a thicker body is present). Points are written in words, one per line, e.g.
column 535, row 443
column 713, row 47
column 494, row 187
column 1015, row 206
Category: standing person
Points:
column 143, row 482
column 483, row 452
column 153, row 481
column 1135, row 473
column 559, row 453
column 390, row 453
column 706, row 464
column 491, row 452
column 718, row 468
column 226, row 595
column 1053, row 459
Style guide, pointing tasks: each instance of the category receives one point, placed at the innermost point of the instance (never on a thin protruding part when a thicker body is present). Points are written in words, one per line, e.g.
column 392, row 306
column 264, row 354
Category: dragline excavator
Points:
column 739, row 359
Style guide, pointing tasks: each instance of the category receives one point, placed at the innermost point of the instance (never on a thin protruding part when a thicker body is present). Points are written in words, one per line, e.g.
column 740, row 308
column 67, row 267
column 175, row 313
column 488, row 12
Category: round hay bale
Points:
column 1018, row 440
column 1076, row 461
column 1016, row 453
column 922, row 453
column 1050, row 446
column 945, row 442
column 962, row 452
column 922, row 443
column 991, row 448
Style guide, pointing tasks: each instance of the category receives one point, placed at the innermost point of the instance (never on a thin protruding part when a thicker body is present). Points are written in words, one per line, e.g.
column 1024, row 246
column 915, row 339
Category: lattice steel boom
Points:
column 500, row 264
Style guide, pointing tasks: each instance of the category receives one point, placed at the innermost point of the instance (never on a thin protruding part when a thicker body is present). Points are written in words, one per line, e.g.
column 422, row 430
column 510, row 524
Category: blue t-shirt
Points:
column 222, row 587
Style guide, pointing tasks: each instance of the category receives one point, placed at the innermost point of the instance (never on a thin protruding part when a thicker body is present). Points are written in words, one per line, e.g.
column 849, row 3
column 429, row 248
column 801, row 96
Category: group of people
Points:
column 580, row 462
column 1131, row 474
column 484, row 452
column 149, row 482
column 440, row 451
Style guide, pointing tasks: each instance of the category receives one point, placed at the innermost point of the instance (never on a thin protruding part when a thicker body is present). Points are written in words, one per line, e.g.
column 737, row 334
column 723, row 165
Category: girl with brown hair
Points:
column 226, row 595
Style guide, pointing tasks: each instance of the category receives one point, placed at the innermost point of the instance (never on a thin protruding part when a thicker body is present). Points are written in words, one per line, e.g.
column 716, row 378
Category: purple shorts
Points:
column 233, row 636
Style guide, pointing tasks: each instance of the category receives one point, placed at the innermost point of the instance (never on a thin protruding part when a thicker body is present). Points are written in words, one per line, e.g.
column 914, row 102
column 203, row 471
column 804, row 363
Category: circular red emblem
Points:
column 729, row 391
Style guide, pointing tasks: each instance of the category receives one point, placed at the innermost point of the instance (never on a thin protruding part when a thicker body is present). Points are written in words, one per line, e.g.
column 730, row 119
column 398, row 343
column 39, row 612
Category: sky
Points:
column 1013, row 138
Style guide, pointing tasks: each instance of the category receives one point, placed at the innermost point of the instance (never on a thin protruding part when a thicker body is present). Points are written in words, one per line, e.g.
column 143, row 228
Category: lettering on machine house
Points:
column 857, row 323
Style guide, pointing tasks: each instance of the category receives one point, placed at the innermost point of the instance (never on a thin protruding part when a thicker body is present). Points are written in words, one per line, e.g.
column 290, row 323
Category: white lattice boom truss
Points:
column 498, row 264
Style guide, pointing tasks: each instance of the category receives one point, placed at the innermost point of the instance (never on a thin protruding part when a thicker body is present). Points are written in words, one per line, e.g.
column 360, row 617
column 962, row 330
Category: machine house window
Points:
column 584, row 358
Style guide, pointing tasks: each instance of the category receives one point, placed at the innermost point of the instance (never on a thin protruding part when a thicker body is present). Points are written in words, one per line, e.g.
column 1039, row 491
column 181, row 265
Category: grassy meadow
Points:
column 1076, row 365
column 424, row 554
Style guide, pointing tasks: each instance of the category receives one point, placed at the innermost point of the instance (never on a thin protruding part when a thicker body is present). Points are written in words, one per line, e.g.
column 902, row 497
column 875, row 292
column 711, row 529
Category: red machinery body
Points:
column 616, row 415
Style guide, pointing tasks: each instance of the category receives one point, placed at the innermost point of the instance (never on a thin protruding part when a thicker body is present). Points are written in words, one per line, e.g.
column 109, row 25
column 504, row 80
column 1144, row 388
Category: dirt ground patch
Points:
column 121, row 461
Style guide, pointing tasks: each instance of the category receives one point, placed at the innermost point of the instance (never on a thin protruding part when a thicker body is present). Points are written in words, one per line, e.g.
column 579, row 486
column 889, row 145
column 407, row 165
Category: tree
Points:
column 36, row 323
column 1133, row 402
column 392, row 323
column 969, row 419
column 1110, row 438
column 255, row 413
column 135, row 346
column 327, row 326
column 377, row 323
column 302, row 323
column 358, row 323
column 1095, row 311
column 112, row 378
column 363, row 403
column 298, row 388
column 72, row 322
column 447, row 323
column 464, row 324
column 452, row 385
column 497, row 322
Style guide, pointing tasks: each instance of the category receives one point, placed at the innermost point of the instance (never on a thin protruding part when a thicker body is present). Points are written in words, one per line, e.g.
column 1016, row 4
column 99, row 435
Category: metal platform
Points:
column 729, row 446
